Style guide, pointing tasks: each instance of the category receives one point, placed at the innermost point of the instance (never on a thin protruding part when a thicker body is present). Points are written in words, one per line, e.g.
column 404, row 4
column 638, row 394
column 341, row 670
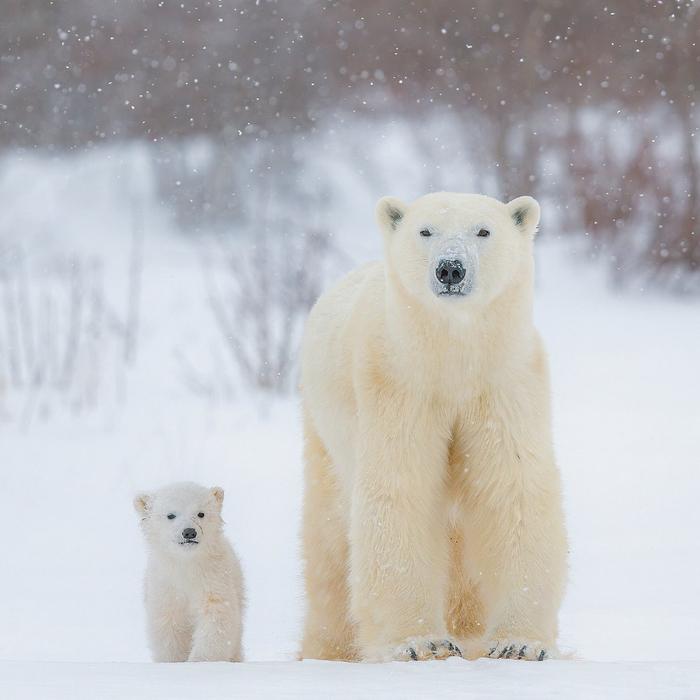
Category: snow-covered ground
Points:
column 626, row 391
column 481, row 680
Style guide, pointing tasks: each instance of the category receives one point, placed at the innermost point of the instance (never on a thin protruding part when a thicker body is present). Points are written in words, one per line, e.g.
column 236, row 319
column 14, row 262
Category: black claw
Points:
column 492, row 650
column 503, row 653
column 453, row 648
column 433, row 648
column 521, row 653
column 543, row 653
column 412, row 654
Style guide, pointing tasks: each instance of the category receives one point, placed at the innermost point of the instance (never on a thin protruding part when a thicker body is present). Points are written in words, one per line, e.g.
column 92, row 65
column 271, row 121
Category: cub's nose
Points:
column 450, row 271
column 189, row 533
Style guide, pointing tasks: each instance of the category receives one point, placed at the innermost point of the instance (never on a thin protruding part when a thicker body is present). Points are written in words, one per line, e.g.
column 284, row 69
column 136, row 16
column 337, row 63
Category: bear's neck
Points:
column 460, row 350
column 212, row 551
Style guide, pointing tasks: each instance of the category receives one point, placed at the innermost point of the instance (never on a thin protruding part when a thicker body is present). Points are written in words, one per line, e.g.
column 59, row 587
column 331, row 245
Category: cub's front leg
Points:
column 217, row 633
column 398, row 538
column 169, row 629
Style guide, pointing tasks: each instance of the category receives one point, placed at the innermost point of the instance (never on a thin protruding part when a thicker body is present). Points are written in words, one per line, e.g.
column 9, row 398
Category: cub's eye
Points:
column 425, row 233
column 484, row 233
column 200, row 515
column 171, row 516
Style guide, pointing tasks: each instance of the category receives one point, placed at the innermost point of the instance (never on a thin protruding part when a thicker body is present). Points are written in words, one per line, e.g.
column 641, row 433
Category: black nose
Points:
column 450, row 271
column 189, row 533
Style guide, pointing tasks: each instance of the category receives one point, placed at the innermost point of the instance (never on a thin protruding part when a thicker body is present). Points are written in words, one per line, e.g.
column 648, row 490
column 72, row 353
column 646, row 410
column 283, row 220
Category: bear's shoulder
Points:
column 362, row 283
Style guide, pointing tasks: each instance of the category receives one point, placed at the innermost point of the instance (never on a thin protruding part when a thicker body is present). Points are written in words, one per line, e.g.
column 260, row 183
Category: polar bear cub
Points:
column 193, row 586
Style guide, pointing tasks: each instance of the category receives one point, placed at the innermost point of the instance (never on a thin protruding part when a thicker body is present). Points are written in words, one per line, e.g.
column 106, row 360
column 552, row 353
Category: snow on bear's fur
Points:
column 433, row 523
column 193, row 585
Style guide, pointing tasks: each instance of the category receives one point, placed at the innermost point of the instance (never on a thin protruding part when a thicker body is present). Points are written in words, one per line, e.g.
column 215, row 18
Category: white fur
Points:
column 193, row 592
column 432, row 515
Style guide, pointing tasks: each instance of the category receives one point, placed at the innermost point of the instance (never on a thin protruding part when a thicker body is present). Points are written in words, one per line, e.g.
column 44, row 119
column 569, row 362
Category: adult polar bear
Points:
column 432, row 514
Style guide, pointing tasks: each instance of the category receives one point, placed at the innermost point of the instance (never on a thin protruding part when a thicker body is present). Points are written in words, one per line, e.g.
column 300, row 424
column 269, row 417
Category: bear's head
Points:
column 448, row 248
column 181, row 519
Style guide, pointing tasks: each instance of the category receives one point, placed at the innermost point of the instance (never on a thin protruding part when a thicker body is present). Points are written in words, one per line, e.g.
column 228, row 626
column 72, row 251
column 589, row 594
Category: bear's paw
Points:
column 421, row 649
column 519, row 649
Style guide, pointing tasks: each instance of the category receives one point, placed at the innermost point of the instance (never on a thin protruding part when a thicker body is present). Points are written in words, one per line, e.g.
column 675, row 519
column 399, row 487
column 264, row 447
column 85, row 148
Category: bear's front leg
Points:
column 516, row 537
column 398, row 534
column 217, row 633
column 169, row 630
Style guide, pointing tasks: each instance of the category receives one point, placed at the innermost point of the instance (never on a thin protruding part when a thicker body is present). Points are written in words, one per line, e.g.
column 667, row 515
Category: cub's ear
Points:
column 389, row 212
column 142, row 503
column 218, row 494
column 525, row 212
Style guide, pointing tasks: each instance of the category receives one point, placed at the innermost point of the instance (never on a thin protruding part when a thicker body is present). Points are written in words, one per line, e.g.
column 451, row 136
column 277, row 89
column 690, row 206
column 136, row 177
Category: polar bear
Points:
column 193, row 586
column 433, row 521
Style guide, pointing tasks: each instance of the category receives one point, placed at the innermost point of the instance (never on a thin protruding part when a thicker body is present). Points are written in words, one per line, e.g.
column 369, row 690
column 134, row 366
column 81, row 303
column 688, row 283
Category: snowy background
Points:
column 154, row 155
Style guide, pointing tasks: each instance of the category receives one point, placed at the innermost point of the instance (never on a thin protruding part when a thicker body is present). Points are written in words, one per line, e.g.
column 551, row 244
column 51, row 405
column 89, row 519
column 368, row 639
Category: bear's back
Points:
column 338, row 308
column 337, row 324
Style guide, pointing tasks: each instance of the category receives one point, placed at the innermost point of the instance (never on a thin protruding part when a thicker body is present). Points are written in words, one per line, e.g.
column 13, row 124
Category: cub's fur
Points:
column 193, row 586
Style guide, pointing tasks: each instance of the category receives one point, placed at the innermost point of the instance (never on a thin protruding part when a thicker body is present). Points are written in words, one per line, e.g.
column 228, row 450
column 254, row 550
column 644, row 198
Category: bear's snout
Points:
column 189, row 533
column 452, row 268
column 450, row 271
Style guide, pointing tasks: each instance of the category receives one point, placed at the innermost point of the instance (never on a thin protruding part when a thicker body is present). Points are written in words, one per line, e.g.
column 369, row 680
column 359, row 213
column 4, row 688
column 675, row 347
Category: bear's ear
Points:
column 389, row 212
column 218, row 494
column 142, row 503
column 525, row 212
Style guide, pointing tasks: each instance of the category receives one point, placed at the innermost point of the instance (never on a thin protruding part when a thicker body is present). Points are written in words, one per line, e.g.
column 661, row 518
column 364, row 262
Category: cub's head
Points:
column 448, row 248
column 181, row 519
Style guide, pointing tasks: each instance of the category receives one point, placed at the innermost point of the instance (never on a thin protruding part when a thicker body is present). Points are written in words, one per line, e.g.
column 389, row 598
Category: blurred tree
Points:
column 539, row 87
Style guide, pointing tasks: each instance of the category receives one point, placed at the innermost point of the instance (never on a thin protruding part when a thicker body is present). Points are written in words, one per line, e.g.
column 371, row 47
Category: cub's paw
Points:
column 523, row 649
column 204, row 656
column 424, row 648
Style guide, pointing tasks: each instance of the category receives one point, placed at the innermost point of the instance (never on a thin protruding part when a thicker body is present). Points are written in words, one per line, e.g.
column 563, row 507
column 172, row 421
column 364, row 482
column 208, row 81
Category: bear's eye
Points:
column 200, row 515
column 171, row 516
column 484, row 233
column 426, row 233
